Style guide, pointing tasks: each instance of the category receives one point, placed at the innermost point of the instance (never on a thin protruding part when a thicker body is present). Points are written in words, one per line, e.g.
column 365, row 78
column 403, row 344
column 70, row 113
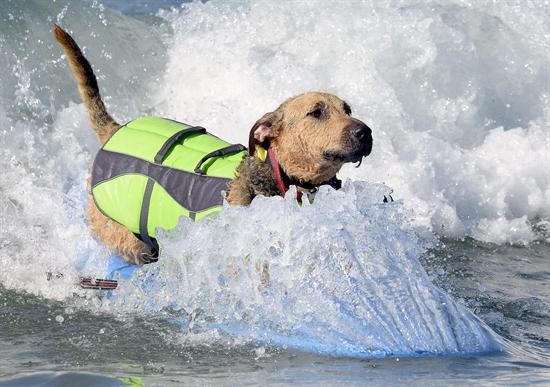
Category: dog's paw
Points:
column 147, row 257
column 143, row 254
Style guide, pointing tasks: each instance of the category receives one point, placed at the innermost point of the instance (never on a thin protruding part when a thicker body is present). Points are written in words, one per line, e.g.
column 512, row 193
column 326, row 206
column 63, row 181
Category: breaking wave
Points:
column 340, row 277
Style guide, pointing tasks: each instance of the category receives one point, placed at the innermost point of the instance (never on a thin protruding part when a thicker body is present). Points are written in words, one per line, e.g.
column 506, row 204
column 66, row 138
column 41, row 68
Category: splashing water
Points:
column 344, row 279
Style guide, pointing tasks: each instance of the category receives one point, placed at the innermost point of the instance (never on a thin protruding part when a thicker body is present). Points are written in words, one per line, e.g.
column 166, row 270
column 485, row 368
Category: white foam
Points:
column 344, row 279
column 42, row 205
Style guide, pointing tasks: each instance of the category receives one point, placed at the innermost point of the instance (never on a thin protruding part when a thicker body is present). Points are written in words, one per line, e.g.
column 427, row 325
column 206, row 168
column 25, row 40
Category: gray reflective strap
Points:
column 175, row 137
column 220, row 152
column 145, row 204
column 190, row 190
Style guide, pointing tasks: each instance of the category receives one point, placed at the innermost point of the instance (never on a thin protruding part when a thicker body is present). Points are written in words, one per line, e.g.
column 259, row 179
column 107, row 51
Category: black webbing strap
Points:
column 220, row 152
column 175, row 137
column 145, row 204
column 144, row 218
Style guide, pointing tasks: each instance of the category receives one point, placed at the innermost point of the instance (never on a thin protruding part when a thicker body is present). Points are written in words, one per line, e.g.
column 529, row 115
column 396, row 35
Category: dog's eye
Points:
column 317, row 113
column 347, row 109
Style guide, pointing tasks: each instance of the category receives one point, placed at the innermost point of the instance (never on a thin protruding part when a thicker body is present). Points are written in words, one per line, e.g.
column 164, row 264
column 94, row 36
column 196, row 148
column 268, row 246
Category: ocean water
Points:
column 449, row 284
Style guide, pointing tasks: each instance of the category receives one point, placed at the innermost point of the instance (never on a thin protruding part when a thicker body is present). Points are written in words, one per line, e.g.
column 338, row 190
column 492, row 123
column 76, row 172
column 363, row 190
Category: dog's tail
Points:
column 102, row 123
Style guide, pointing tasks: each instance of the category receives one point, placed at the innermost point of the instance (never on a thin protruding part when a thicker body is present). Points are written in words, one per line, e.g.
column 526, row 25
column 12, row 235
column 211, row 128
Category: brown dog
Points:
column 312, row 135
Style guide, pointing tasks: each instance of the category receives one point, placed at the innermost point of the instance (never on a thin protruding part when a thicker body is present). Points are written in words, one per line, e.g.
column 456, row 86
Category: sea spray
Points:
column 340, row 276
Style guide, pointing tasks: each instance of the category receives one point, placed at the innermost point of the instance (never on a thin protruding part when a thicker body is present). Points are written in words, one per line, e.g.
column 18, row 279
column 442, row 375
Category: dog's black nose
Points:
column 361, row 132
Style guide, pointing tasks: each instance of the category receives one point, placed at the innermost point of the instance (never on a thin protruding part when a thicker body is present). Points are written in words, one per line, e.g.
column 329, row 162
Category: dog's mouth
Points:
column 357, row 143
column 348, row 157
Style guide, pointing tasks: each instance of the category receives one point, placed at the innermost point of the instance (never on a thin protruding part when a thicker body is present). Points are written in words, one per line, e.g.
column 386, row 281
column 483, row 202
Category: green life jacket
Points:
column 153, row 170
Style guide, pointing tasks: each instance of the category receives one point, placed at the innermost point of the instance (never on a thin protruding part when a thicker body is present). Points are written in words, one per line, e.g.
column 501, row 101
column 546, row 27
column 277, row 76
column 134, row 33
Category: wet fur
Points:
column 299, row 140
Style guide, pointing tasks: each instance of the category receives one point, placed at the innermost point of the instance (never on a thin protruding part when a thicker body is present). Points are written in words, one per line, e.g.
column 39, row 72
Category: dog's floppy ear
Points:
column 263, row 130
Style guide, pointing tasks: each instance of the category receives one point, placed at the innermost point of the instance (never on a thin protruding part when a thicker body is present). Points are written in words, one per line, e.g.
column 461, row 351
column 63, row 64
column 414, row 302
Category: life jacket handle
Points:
column 175, row 137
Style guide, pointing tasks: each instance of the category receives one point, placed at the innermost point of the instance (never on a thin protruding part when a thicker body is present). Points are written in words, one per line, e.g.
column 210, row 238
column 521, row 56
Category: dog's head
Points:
column 313, row 135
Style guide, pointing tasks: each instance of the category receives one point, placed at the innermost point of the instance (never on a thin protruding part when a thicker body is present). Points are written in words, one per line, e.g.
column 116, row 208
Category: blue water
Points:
column 450, row 284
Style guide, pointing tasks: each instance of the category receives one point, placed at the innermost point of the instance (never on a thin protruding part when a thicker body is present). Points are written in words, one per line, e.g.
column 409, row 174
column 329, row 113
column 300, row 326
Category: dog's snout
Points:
column 361, row 132
column 359, row 138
